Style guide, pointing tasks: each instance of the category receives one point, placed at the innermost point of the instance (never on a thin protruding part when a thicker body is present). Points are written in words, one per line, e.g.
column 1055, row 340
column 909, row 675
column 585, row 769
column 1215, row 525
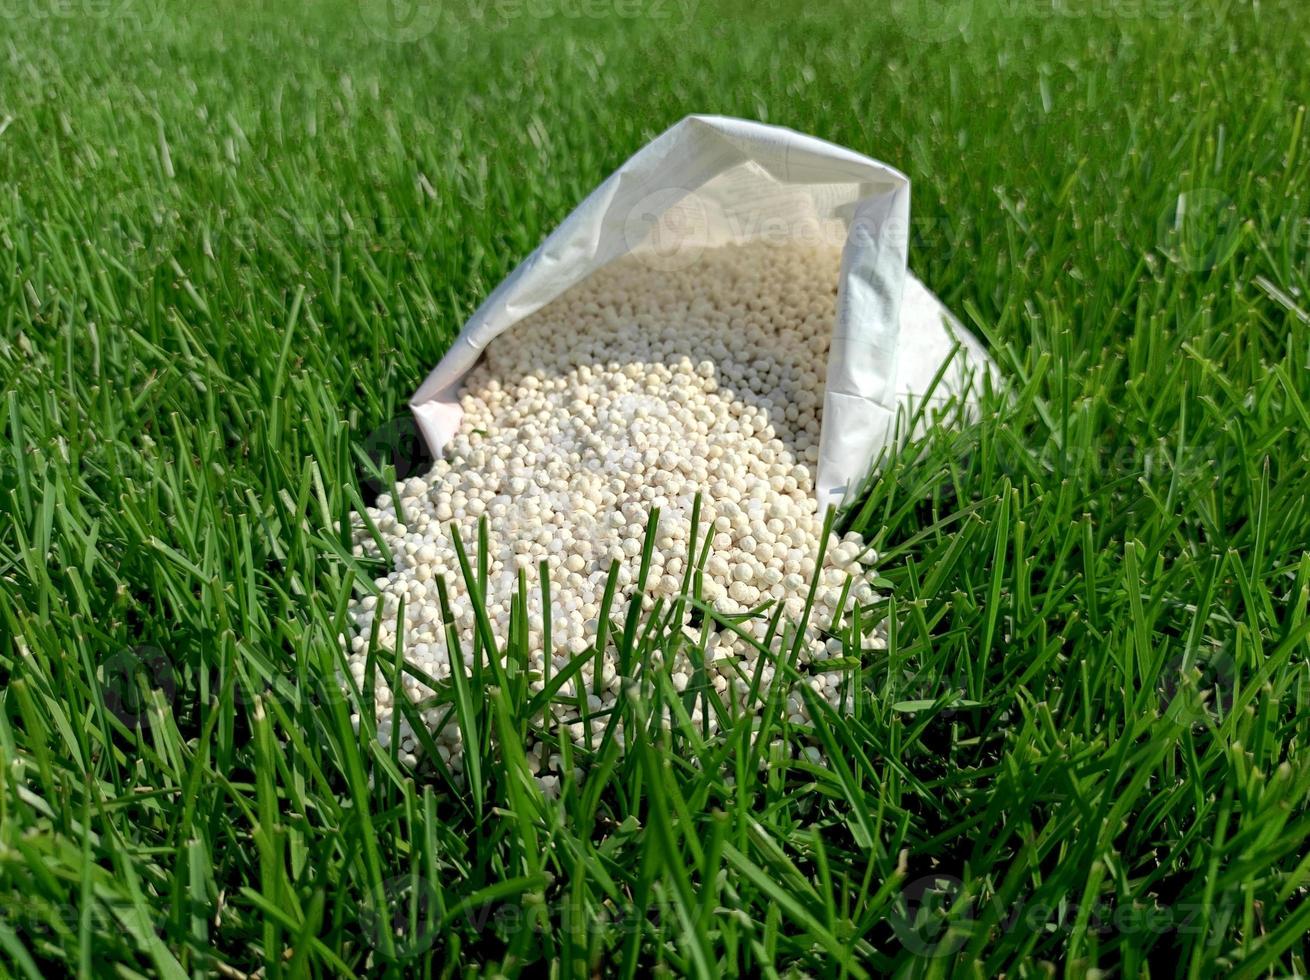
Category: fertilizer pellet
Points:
column 635, row 390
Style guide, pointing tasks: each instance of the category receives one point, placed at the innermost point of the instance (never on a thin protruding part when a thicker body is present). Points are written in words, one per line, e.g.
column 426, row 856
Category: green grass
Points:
column 232, row 243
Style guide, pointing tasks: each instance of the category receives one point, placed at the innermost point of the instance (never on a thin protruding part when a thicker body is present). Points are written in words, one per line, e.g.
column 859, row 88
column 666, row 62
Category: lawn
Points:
column 235, row 238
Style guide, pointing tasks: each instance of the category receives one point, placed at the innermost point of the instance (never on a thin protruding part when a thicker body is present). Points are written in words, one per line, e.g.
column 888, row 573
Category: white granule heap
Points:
column 635, row 390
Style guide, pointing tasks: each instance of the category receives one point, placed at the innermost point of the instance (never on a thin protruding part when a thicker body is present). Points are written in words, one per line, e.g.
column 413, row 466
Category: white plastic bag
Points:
column 712, row 180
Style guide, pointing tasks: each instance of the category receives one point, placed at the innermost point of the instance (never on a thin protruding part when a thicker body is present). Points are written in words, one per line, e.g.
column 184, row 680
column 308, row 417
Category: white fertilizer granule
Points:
column 635, row 390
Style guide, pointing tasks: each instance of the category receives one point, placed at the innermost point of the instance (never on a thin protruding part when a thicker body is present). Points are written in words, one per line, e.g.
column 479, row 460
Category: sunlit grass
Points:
column 234, row 241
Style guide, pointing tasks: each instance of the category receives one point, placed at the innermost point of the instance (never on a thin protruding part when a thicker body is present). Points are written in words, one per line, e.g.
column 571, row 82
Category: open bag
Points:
column 710, row 181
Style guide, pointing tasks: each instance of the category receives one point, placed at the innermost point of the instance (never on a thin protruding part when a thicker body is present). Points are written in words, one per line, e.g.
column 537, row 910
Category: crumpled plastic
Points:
column 712, row 180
